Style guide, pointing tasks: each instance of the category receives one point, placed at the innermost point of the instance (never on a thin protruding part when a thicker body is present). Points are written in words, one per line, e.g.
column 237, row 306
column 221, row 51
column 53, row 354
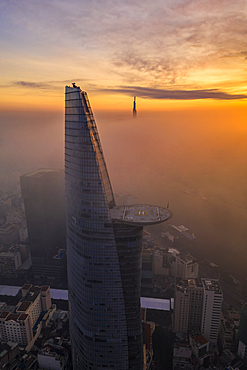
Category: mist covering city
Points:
column 198, row 165
column 123, row 185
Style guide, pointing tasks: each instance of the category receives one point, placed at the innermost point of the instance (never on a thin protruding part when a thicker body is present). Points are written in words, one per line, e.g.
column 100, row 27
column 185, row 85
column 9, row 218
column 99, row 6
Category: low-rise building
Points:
column 8, row 353
column 182, row 353
column 10, row 262
column 229, row 340
column 9, row 234
column 53, row 356
column 184, row 265
column 16, row 328
column 25, row 323
column 161, row 263
column 200, row 348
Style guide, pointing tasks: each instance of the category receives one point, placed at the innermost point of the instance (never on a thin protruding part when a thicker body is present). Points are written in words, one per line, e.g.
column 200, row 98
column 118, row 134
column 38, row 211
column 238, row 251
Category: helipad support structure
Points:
column 104, row 246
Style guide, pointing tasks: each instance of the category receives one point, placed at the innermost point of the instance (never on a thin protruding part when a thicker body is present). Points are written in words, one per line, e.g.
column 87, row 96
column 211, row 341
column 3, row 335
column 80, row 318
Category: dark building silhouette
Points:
column 242, row 334
column 44, row 200
column 104, row 245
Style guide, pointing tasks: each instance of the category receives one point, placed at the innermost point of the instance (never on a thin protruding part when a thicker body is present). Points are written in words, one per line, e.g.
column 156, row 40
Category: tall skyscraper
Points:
column 187, row 305
column 104, row 245
column 196, row 298
column 181, row 308
column 211, row 309
column 43, row 194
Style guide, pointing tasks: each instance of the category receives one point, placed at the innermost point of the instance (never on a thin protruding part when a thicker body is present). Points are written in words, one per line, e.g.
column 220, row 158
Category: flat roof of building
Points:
column 26, row 286
column 41, row 172
column 12, row 316
column 12, row 344
column 24, row 306
column 187, row 257
column 155, row 303
column 23, row 316
column 30, row 296
column 200, row 340
column 34, row 288
column 44, row 288
column 140, row 214
column 7, row 254
column 9, row 290
column 211, row 284
column 4, row 314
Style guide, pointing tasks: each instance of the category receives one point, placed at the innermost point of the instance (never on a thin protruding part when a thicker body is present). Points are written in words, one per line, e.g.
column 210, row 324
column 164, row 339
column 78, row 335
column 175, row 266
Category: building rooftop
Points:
column 34, row 289
column 155, row 303
column 7, row 254
column 24, row 306
column 187, row 257
column 181, row 340
column 44, row 288
column 41, row 172
column 12, row 344
column 26, row 286
column 194, row 282
column 4, row 314
column 140, row 214
column 199, row 340
column 183, row 285
column 23, row 316
column 173, row 251
column 3, row 353
column 182, row 288
column 12, row 316
column 211, row 284
column 30, row 297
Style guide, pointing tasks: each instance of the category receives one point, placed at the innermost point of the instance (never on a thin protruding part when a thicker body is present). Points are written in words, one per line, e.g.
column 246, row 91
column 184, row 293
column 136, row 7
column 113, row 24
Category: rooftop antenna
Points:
column 134, row 107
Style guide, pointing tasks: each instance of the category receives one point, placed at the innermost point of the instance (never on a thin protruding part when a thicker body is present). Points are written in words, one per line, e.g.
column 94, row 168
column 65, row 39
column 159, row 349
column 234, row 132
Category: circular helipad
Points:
column 140, row 214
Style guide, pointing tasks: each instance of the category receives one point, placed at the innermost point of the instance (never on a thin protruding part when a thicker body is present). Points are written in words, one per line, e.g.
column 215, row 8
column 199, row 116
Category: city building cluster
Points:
column 34, row 334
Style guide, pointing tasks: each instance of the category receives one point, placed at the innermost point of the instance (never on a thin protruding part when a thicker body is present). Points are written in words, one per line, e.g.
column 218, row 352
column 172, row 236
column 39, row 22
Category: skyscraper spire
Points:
column 134, row 107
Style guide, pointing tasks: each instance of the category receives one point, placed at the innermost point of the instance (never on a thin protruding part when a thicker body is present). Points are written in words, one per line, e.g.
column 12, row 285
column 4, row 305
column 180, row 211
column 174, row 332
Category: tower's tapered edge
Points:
column 104, row 251
column 140, row 214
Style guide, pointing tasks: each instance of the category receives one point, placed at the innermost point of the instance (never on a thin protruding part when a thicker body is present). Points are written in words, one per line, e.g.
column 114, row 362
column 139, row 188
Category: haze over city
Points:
column 186, row 63
column 123, row 184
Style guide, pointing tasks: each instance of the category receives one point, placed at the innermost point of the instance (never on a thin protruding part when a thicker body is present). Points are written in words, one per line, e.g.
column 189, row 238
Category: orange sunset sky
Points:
column 171, row 54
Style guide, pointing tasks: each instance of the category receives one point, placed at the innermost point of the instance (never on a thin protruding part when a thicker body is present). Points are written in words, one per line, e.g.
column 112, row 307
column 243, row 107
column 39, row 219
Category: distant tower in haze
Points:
column 134, row 107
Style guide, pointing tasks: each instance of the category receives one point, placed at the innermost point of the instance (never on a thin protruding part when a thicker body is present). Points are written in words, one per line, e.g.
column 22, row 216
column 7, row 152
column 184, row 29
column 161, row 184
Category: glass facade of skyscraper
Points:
column 104, row 255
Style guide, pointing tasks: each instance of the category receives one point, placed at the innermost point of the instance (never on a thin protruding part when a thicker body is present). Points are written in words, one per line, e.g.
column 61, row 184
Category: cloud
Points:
column 151, row 93
column 151, row 42
column 32, row 85
column 46, row 85
column 142, row 92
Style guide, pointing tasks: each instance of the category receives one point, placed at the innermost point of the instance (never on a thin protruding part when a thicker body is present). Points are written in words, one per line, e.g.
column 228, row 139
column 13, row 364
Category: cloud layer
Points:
column 170, row 44
column 150, row 93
